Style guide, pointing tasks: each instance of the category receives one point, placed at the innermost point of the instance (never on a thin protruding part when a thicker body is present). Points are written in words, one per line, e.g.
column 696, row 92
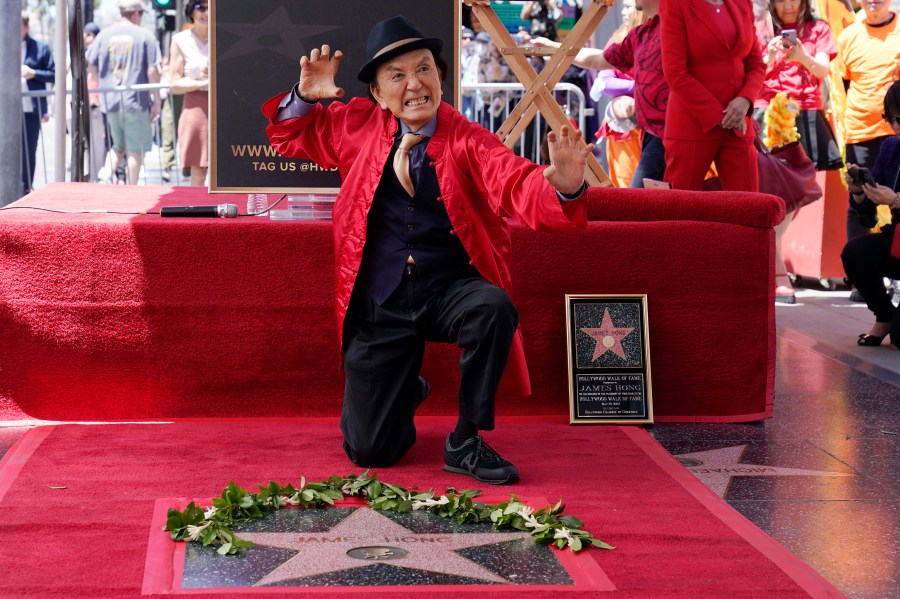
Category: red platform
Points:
column 116, row 316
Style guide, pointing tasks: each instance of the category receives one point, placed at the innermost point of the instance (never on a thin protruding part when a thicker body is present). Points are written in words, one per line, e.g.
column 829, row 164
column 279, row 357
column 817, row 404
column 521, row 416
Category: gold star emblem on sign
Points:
column 608, row 337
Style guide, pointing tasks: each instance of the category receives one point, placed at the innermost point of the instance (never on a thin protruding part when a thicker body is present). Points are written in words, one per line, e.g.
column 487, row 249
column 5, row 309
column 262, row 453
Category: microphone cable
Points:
column 268, row 208
column 141, row 213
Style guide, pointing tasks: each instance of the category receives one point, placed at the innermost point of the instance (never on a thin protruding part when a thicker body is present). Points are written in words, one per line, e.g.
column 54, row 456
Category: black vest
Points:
column 400, row 226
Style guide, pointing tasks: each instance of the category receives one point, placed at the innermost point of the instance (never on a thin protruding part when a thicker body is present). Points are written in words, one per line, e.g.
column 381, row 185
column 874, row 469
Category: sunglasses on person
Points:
column 201, row 7
column 892, row 120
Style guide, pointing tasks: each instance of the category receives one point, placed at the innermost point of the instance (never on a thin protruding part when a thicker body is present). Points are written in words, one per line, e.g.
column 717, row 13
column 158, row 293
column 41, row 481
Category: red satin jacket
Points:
column 481, row 181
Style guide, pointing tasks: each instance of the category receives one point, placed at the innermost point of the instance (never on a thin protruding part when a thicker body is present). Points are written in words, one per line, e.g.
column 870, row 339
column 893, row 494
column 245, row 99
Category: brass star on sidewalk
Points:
column 608, row 337
column 366, row 534
column 716, row 467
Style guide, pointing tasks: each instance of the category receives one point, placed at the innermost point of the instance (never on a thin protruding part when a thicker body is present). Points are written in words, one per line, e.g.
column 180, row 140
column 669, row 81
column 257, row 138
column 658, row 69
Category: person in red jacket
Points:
column 421, row 239
column 715, row 70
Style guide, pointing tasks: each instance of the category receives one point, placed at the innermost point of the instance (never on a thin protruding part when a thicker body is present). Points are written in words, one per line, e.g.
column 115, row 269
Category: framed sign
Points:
column 609, row 359
column 255, row 48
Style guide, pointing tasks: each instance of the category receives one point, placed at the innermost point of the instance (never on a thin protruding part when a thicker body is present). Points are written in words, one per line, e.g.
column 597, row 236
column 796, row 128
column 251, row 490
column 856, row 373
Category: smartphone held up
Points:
column 789, row 35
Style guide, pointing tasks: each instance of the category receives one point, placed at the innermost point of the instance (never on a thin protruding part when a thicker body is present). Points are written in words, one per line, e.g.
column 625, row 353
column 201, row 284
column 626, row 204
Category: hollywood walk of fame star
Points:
column 608, row 337
column 716, row 468
column 322, row 553
column 277, row 33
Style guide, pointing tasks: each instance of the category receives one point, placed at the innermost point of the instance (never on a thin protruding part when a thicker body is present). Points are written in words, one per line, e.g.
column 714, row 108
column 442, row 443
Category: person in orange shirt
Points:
column 868, row 59
column 715, row 70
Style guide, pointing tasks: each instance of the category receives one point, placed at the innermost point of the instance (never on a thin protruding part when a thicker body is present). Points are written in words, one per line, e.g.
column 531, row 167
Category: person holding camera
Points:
column 869, row 258
column 797, row 59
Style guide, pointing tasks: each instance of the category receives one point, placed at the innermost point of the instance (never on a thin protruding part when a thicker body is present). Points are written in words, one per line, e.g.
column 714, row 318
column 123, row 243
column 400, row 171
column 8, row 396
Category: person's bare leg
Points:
column 134, row 167
column 781, row 278
column 198, row 176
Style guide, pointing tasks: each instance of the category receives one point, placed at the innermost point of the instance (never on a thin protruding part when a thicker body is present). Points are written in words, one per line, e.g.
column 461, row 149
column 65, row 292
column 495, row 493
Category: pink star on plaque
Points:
column 608, row 337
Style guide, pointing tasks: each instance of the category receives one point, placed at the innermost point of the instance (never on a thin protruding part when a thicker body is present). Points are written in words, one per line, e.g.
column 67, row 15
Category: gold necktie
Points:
column 401, row 160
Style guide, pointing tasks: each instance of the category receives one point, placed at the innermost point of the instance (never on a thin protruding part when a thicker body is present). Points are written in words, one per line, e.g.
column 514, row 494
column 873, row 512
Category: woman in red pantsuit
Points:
column 715, row 71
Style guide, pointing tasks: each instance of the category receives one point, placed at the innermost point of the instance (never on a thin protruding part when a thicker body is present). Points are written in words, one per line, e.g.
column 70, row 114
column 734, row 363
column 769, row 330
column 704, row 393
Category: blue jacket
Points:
column 39, row 57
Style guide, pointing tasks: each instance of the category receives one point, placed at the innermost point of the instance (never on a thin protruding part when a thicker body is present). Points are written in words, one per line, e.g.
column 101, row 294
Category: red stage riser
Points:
column 116, row 317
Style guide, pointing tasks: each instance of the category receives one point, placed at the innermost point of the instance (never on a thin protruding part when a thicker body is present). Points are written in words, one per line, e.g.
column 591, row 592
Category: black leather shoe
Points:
column 870, row 340
column 424, row 390
column 475, row 458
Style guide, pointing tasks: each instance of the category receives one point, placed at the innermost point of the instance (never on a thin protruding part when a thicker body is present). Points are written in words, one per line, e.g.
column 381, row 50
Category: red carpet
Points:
column 674, row 538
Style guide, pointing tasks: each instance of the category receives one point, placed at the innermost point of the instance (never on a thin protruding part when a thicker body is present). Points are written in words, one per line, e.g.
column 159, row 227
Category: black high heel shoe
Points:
column 870, row 340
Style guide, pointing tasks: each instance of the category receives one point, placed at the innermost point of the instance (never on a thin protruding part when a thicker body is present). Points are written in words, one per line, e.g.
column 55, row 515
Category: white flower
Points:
column 210, row 512
column 564, row 533
column 525, row 511
column 292, row 500
column 532, row 522
column 194, row 531
column 419, row 504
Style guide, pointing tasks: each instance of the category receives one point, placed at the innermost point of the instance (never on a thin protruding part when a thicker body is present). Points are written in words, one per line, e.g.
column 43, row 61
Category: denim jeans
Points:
column 652, row 164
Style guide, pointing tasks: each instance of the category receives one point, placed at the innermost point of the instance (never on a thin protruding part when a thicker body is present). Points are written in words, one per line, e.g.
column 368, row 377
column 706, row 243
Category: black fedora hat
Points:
column 393, row 37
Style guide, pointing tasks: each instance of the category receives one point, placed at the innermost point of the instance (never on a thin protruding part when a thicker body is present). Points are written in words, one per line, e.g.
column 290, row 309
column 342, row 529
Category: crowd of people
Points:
column 124, row 125
column 695, row 78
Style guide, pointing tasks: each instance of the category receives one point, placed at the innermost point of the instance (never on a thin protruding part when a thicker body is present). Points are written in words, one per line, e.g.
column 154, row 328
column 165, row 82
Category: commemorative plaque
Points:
column 609, row 359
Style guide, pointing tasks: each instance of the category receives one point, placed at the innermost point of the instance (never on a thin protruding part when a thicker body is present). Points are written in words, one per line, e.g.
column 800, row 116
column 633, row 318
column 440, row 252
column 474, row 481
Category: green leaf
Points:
column 571, row 521
column 207, row 535
column 598, row 543
column 242, row 543
column 375, row 489
column 174, row 520
column 575, row 544
column 226, row 548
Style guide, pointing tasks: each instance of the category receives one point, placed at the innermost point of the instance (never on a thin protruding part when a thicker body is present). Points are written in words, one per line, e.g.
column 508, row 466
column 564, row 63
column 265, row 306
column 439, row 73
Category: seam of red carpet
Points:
column 800, row 572
column 19, row 454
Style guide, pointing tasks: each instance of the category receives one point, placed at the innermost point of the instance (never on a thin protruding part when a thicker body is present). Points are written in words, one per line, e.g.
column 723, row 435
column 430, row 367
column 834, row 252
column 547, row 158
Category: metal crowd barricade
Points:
column 490, row 104
column 485, row 103
column 160, row 164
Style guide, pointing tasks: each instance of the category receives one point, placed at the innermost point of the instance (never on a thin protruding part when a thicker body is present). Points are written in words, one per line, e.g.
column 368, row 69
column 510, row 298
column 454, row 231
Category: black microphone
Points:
column 221, row 211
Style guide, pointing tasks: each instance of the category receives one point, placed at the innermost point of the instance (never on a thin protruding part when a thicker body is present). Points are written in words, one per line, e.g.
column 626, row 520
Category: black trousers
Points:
column 867, row 260
column 31, row 131
column 383, row 351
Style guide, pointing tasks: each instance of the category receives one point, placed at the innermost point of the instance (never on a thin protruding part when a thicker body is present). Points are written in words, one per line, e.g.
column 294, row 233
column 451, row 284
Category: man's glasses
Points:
column 892, row 120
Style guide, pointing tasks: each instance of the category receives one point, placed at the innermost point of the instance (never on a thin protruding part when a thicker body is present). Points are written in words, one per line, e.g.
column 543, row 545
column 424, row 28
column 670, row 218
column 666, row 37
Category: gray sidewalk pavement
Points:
column 829, row 323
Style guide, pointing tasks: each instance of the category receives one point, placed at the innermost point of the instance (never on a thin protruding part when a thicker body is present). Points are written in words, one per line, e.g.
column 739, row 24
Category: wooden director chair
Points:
column 539, row 87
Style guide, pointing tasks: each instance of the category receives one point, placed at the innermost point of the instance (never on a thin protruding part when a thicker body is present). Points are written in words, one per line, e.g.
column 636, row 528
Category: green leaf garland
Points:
column 214, row 525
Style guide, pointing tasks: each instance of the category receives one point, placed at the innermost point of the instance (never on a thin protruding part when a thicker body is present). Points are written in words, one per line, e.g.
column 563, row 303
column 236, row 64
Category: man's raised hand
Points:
column 317, row 73
column 567, row 160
